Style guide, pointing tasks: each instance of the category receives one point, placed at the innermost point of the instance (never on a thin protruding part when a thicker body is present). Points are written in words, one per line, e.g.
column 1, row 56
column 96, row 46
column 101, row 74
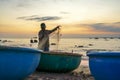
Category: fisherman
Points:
column 44, row 37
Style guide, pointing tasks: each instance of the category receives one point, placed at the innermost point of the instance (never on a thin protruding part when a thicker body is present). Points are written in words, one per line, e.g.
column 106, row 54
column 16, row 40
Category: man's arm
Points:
column 54, row 29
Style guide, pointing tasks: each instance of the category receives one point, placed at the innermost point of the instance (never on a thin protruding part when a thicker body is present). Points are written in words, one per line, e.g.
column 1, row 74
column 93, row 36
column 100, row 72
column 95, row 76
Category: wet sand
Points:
column 81, row 73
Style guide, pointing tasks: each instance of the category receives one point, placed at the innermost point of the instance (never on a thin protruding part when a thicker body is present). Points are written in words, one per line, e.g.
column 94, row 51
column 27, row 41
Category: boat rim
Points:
column 19, row 49
column 104, row 53
column 62, row 53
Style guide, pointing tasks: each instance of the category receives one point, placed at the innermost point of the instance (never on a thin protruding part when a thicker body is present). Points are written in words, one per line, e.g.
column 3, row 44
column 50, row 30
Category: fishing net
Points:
column 41, row 44
column 55, row 36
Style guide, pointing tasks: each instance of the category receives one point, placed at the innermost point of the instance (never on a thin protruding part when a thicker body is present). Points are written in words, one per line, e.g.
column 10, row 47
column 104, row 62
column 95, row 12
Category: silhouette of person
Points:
column 44, row 37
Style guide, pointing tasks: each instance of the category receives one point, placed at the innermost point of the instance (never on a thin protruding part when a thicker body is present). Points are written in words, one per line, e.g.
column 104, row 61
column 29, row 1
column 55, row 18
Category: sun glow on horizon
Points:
column 87, row 17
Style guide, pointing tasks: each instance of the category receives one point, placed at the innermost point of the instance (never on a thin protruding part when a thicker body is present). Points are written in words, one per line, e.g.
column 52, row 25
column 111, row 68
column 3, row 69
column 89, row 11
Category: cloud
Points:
column 117, row 23
column 23, row 3
column 107, row 27
column 38, row 19
column 4, row 0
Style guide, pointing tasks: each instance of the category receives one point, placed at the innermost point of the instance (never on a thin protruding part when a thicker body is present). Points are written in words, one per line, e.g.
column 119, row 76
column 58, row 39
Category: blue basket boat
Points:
column 16, row 63
column 105, row 65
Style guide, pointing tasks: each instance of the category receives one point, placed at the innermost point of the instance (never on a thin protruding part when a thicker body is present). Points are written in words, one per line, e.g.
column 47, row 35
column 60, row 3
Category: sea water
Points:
column 75, row 45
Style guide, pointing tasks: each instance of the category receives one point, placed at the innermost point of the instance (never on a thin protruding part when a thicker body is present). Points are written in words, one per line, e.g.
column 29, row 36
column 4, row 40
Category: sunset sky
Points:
column 22, row 18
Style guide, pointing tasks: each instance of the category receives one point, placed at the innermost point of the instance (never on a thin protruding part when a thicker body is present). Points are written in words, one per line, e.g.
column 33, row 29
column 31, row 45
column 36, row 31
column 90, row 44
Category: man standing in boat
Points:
column 44, row 37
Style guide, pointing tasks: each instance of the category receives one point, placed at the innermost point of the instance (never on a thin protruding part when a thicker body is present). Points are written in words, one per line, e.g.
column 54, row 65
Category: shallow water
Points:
column 76, row 45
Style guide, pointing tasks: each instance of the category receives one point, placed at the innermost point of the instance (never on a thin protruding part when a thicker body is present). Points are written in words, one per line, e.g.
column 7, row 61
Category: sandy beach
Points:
column 81, row 73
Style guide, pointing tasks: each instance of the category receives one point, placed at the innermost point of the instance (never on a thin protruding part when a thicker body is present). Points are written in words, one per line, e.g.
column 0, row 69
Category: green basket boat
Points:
column 59, row 61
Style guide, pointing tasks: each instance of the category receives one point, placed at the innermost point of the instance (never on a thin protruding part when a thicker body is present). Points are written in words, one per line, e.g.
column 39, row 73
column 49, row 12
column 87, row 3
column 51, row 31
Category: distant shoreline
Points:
column 61, row 37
